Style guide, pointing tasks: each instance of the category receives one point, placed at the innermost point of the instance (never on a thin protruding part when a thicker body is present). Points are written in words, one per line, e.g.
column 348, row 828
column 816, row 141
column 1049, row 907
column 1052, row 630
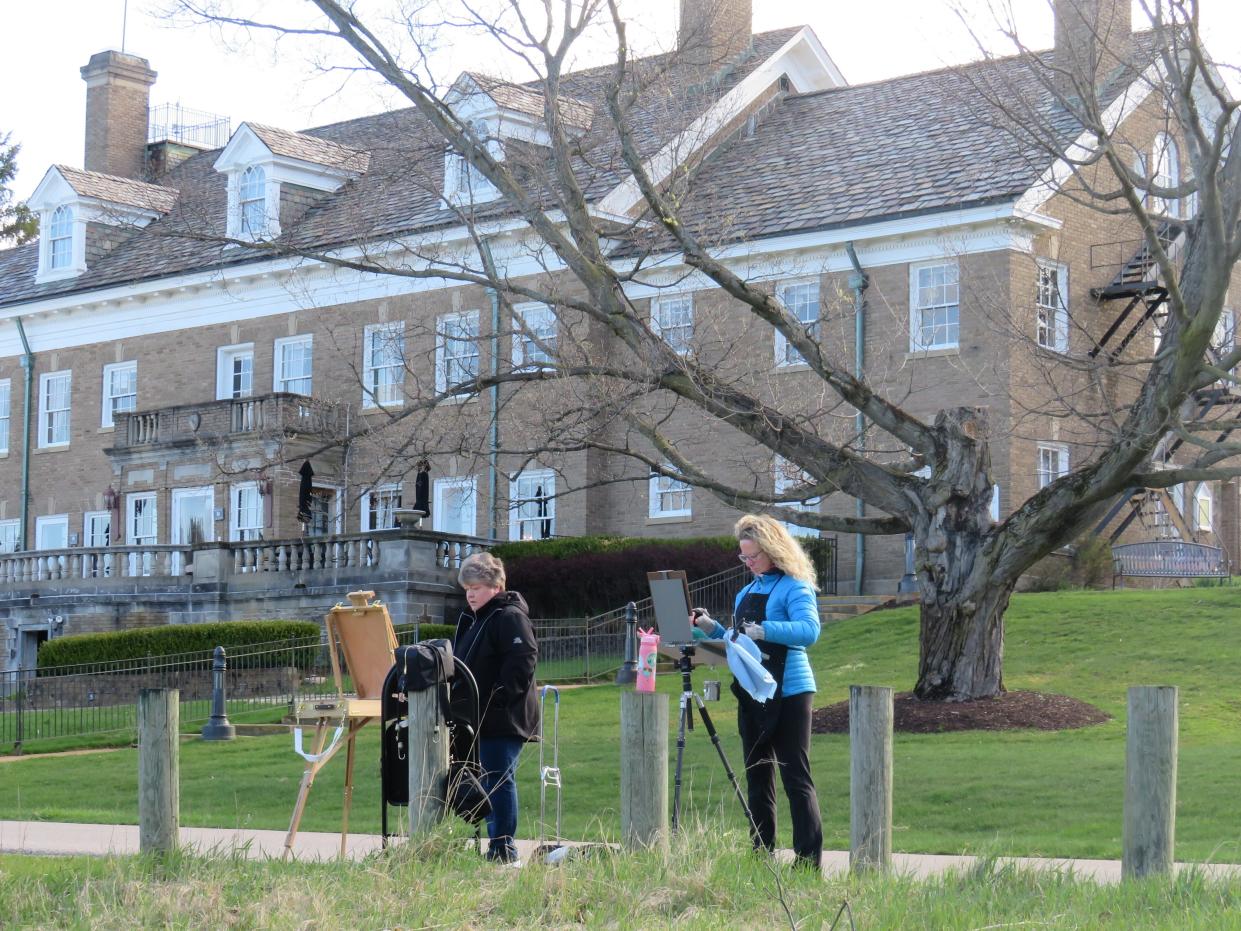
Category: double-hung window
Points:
column 454, row 508
column 60, row 239
column 934, row 305
column 9, row 530
column 785, row 477
column 456, row 351
column 245, row 519
column 383, row 364
column 5, row 409
column 120, row 390
column 54, row 395
column 802, row 300
column 379, row 507
column 1053, row 462
column 534, row 336
column 292, row 364
column 1052, row 306
column 669, row 497
column 234, row 371
column 532, row 505
column 672, row 319
column 1204, row 507
column 252, row 203
column 1167, row 160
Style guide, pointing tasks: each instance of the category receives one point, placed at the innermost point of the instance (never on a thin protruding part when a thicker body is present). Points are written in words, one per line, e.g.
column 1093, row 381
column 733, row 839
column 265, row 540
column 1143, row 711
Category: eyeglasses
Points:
column 748, row 559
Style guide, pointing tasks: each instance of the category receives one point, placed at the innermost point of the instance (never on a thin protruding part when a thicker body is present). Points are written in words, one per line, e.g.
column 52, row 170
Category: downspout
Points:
column 493, row 432
column 859, row 281
column 28, row 368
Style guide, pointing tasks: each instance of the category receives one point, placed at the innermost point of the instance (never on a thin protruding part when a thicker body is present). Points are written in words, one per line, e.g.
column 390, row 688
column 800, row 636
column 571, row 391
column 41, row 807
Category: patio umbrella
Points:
column 304, row 493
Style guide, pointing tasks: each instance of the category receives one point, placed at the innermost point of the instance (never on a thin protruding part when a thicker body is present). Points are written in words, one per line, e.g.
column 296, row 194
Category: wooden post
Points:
column 644, row 770
column 1150, row 782
column 428, row 761
column 870, row 777
column 159, row 791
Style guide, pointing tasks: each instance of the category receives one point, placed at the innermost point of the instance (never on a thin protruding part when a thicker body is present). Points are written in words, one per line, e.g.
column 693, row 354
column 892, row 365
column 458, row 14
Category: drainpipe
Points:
column 28, row 368
column 859, row 281
column 493, row 432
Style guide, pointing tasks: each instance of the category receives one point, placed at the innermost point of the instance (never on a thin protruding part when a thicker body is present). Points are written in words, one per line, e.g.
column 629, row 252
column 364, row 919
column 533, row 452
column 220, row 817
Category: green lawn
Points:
column 1029, row 793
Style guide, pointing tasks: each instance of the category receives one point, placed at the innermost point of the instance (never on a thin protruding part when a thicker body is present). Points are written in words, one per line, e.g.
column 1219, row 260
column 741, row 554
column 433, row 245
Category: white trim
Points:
column 131, row 501
column 224, row 356
column 1044, row 477
column 178, row 498
column 516, row 502
column 915, row 320
column 468, row 324
column 658, row 306
column 520, row 339
column 469, row 503
column 1059, row 323
column 782, row 358
column 277, row 382
column 659, row 485
column 235, row 528
column 46, row 522
column 10, row 539
column 337, row 517
column 1204, row 501
column 785, row 476
column 6, row 414
column 107, row 411
column 43, row 442
column 393, row 334
column 87, row 536
column 389, row 488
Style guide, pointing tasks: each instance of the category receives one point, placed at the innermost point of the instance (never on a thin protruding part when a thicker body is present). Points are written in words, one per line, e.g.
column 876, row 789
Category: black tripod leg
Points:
column 719, row 748
column 686, row 711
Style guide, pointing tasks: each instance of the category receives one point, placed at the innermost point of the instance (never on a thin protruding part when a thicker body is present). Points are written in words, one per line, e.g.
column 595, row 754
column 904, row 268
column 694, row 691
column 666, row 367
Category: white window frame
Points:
column 520, row 503
column 1051, row 324
column 1204, row 507
column 464, row 184
column 534, row 321
column 246, row 522
column 6, row 413
column 97, row 564
column 1047, row 472
column 131, row 500
column 110, row 407
column 786, row 355
column 1166, row 158
column 784, row 476
column 60, row 245
column 1224, row 337
column 660, row 487
column 252, row 203
column 373, row 504
column 952, row 310
column 41, row 526
column 281, row 380
column 336, row 517
column 676, row 331
column 452, row 349
column 439, row 510
column 10, row 531
column 373, row 363
column 224, row 358
column 47, row 412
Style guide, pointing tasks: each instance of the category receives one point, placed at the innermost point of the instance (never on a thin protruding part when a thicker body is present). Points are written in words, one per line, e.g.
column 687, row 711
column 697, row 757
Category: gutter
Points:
column 859, row 281
column 493, row 431
column 27, row 398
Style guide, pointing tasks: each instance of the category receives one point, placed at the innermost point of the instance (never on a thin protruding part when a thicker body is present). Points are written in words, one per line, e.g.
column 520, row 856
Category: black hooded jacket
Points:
column 499, row 647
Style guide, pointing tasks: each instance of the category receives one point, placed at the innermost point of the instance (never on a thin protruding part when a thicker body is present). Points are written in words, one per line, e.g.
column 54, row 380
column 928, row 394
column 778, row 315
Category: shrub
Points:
column 181, row 638
column 427, row 632
column 1092, row 562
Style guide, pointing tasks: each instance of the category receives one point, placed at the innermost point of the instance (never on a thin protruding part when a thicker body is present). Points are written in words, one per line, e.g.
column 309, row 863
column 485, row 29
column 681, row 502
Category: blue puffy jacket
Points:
column 792, row 620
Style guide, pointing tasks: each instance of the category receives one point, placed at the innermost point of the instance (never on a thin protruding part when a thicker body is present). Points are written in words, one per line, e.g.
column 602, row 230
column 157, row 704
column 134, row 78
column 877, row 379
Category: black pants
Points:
column 786, row 744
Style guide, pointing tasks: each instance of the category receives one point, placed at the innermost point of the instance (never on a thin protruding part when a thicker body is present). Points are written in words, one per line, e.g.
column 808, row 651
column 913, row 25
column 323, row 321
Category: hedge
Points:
column 177, row 639
column 427, row 631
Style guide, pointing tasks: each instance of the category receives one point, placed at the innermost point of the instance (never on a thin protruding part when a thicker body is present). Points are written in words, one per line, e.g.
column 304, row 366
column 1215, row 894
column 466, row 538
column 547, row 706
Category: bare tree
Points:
column 610, row 379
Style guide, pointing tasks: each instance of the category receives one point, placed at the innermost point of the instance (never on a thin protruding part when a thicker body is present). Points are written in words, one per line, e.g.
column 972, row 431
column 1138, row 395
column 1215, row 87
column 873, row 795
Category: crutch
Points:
column 549, row 775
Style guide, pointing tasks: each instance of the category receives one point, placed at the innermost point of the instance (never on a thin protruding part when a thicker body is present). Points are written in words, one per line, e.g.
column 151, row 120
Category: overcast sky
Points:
column 44, row 96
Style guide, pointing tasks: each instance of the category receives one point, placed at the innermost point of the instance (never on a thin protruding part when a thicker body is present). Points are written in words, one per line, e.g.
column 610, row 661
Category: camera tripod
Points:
column 690, row 698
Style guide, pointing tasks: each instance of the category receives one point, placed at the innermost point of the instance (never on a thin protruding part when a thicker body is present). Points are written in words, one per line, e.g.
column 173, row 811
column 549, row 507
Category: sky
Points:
column 284, row 84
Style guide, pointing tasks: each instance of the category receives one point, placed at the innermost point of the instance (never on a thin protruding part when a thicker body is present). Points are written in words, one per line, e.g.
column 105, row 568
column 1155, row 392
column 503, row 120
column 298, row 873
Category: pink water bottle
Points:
column 648, row 656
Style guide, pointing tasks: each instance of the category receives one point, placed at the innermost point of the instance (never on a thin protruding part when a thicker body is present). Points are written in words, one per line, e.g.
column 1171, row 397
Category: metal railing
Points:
column 171, row 121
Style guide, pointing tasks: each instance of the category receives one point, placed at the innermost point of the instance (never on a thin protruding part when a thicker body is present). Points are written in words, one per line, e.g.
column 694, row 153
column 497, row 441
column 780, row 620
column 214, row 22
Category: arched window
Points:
column 1204, row 506
column 60, row 238
column 252, row 202
column 1167, row 161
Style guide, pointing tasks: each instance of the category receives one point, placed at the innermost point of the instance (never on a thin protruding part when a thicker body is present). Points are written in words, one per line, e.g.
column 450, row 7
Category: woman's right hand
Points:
column 702, row 620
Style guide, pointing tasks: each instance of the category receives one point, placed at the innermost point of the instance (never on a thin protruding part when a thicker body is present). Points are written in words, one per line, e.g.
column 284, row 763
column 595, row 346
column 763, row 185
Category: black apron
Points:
column 763, row 715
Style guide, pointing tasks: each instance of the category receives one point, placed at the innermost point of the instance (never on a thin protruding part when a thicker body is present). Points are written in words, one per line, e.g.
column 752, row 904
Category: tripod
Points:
column 690, row 698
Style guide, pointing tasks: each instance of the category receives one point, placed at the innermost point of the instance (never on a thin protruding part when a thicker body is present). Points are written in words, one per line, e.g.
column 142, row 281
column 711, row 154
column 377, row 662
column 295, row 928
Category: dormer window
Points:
column 463, row 182
column 60, row 238
column 252, row 202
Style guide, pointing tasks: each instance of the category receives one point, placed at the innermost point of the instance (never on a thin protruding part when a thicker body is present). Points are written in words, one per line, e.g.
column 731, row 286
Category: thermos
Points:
column 648, row 656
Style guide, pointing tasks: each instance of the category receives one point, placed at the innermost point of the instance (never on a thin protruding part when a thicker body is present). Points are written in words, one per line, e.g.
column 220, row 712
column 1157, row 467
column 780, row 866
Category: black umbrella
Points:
column 303, row 492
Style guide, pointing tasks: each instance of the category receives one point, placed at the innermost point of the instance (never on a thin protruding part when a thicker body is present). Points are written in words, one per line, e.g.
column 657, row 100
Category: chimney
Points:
column 118, row 92
column 712, row 33
column 1092, row 41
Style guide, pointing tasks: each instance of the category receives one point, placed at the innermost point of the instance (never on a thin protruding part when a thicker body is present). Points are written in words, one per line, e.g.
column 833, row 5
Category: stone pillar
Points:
column 118, row 94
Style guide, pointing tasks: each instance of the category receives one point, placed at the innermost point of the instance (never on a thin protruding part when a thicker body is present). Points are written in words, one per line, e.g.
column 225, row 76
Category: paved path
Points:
column 59, row 838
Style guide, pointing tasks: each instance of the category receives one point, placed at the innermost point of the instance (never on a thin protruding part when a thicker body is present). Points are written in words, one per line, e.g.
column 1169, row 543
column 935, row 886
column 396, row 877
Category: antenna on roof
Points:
column 124, row 22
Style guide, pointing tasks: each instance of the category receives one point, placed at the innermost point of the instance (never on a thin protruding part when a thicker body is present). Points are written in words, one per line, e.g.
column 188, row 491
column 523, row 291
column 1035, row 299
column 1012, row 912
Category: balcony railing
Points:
column 119, row 562
column 271, row 414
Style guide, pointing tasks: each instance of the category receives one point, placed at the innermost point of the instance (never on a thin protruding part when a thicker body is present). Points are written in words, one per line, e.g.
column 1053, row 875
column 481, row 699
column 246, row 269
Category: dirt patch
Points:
column 1010, row 711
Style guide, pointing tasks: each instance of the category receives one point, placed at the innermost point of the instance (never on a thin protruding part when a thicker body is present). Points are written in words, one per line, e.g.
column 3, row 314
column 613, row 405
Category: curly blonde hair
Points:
column 770, row 536
column 482, row 569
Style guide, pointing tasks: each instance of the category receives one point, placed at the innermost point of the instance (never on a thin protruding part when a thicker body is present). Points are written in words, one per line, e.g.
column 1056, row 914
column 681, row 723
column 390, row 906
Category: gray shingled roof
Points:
column 116, row 190
column 530, row 100
column 308, row 148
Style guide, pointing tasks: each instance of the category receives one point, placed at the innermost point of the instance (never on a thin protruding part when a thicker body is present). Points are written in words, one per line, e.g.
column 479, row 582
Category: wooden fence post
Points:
column 644, row 770
column 159, row 788
column 428, row 760
column 870, row 777
column 1150, row 781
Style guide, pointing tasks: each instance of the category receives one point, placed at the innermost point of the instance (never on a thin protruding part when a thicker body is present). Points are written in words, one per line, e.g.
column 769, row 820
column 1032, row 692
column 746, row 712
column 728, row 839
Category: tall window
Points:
column 1167, row 159
column 1053, row 462
column 935, row 306
column 379, row 507
column 672, row 319
column 785, row 477
column 669, row 497
column 802, row 300
column 456, row 349
column 1052, row 306
column 120, row 390
column 5, row 408
column 54, row 393
column 292, row 364
column 454, row 508
column 535, row 324
column 235, row 371
column 60, row 238
column 141, row 529
column 9, row 530
column 245, row 519
column 383, row 364
column 1223, row 340
column 1204, row 507
column 51, row 532
column 532, row 505
column 252, row 203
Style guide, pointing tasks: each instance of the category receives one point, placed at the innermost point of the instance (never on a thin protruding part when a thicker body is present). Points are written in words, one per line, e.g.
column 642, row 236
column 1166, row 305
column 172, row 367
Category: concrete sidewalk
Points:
column 58, row 838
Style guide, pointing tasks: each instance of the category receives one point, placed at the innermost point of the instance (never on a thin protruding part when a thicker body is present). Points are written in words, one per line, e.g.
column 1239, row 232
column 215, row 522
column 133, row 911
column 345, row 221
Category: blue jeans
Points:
column 498, row 756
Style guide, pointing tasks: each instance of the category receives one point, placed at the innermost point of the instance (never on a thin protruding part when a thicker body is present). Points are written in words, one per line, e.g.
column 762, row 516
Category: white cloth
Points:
column 745, row 661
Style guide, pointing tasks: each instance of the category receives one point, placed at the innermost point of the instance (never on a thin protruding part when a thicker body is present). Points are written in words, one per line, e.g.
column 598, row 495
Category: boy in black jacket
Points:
column 495, row 639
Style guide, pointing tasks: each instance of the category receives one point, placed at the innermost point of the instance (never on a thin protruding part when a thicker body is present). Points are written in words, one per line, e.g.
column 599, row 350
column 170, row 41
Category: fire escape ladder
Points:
column 1137, row 282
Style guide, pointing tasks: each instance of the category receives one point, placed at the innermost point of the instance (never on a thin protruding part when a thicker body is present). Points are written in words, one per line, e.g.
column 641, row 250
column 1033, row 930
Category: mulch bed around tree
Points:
column 1009, row 711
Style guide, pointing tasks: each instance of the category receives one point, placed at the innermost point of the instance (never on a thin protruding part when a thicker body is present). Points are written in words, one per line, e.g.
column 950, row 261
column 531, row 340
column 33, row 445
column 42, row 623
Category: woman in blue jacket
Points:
column 777, row 609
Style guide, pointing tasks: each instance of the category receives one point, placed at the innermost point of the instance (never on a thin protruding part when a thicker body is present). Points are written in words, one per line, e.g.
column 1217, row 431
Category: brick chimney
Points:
column 1092, row 41
column 118, row 93
column 713, row 33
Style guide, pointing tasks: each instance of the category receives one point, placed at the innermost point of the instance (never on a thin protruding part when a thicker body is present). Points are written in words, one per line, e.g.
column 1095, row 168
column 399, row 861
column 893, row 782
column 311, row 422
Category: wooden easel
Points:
column 367, row 640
